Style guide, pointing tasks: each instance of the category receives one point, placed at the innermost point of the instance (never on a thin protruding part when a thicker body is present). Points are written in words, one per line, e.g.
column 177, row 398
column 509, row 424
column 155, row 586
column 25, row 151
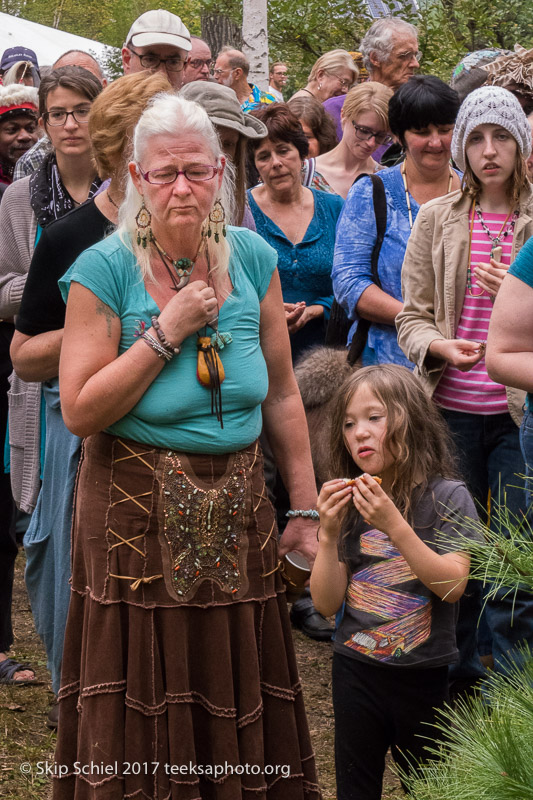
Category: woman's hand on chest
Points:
column 187, row 311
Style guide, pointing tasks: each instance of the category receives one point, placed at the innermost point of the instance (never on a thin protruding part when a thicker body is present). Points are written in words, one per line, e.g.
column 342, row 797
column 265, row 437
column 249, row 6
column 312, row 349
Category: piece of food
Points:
column 351, row 481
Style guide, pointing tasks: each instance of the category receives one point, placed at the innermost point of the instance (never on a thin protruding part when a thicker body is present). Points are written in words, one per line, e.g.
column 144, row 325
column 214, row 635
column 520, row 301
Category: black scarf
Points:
column 48, row 197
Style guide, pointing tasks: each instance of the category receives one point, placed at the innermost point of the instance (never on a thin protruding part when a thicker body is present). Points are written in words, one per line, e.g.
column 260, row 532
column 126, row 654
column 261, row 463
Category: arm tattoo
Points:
column 108, row 313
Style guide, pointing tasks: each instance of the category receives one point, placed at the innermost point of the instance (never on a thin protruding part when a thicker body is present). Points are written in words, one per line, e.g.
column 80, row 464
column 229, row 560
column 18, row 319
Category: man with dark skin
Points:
column 18, row 132
column 18, row 126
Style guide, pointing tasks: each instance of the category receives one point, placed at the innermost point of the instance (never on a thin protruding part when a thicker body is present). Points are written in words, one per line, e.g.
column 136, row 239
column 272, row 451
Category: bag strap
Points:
column 380, row 212
column 309, row 172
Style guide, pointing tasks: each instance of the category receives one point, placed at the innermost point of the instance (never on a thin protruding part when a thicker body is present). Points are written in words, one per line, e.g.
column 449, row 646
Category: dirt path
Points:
column 23, row 710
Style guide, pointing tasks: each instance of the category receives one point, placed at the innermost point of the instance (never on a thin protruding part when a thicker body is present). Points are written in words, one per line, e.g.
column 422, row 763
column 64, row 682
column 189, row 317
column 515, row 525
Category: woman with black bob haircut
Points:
column 422, row 114
column 422, row 101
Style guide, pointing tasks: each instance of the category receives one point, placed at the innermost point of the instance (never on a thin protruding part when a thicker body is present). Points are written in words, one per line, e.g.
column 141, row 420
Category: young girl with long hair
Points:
column 380, row 551
column 457, row 256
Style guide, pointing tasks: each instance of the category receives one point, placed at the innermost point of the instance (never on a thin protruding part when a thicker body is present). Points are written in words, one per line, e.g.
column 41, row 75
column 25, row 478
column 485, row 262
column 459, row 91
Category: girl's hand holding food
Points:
column 375, row 506
column 332, row 502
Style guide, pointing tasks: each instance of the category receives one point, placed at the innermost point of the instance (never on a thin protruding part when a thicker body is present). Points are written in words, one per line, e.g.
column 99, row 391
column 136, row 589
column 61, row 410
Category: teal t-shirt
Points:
column 175, row 411
column 522, row 267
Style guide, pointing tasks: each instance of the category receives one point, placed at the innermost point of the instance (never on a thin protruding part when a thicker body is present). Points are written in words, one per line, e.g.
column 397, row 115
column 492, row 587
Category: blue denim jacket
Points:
column 352, row 273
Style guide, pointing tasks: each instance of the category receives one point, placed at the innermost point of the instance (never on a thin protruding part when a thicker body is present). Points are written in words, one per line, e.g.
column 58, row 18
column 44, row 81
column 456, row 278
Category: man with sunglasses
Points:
column 157, row 40
column 199, row 62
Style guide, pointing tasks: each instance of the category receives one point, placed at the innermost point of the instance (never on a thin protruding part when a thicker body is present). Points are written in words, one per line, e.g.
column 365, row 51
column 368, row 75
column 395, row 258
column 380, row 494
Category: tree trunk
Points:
column 255, row 40
column 57, row 14
column 219, row 30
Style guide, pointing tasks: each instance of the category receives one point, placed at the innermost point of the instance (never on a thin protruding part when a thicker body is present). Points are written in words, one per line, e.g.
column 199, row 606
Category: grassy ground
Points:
column 25, row 740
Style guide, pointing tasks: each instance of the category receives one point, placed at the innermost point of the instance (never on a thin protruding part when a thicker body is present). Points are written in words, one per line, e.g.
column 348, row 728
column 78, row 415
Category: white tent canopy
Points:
column 47, row 43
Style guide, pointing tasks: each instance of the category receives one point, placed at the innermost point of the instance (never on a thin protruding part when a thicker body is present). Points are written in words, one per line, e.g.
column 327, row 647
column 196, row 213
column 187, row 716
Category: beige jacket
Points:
column 434, row 282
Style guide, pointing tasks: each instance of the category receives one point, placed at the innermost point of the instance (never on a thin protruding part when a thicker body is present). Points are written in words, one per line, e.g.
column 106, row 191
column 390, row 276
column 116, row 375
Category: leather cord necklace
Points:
column 407, row 196
column 183, row 266
column 210, row 371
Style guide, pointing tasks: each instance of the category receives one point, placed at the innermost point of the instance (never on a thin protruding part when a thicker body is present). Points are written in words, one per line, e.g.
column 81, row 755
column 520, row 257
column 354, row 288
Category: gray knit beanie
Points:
column 494, row 106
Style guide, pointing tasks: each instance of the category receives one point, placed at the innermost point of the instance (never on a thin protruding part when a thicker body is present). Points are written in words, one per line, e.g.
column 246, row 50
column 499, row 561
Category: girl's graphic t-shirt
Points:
column 390, row 617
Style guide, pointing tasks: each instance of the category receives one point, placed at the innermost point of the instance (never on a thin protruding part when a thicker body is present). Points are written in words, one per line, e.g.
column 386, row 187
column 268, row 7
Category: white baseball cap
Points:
column 159, row 27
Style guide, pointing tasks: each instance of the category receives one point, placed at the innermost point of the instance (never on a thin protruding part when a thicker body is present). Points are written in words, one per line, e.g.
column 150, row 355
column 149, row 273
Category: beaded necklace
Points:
column 407, row 197
column 510, row 221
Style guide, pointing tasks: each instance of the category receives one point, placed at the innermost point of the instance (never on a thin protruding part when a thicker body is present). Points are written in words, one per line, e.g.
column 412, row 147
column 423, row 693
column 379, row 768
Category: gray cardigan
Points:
column 18, row 229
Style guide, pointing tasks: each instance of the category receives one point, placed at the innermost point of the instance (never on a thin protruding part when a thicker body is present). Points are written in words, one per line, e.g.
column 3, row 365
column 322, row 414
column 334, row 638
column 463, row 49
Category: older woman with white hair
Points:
column 178, row 648
column 332, row 74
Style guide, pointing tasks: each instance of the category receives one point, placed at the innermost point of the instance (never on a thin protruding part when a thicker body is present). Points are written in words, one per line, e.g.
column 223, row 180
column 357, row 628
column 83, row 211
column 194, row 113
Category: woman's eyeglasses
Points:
column 345, row 85
column 151, row 61
column 59, row 116
column 196, row 172
column 365, row 134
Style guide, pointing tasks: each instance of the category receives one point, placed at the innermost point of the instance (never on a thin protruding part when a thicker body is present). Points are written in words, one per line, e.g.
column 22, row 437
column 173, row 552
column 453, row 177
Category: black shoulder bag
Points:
column 339, row 324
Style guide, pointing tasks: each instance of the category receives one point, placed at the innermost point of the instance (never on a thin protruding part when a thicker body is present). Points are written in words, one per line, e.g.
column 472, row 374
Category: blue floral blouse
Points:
column 305, row 268
column 352, row 273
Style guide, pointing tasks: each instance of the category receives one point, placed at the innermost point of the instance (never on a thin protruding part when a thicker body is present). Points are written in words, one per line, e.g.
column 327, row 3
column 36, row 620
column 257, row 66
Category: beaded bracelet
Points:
column 161, row 351
column 310, row 513
column 163, row 339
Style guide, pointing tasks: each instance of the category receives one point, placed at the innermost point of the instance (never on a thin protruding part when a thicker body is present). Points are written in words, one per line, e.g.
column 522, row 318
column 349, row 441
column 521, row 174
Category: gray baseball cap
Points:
column 223, row 108
column 159, row 27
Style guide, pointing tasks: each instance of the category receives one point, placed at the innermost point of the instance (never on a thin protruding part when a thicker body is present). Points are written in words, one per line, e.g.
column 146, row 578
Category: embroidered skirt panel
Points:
column 178, row 651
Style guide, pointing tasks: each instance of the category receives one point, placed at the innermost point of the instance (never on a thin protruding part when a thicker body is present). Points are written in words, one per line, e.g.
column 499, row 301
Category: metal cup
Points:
column 295, row 572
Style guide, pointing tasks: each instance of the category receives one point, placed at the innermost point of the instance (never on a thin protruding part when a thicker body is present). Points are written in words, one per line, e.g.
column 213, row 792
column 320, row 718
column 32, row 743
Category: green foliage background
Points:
column 300, row 30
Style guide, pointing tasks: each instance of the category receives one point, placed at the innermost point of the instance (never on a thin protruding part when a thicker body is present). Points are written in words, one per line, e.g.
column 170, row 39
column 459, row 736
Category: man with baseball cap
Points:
column 23, row 57
column 157, row 40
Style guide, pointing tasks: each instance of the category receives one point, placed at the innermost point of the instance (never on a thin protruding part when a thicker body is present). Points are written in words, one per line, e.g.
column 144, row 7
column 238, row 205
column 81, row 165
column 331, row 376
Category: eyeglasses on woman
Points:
column 365, row 134
column 194, row 173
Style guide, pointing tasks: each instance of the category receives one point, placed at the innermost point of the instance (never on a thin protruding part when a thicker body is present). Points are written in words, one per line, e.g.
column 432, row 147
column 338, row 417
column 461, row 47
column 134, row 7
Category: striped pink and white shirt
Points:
column 474, row 392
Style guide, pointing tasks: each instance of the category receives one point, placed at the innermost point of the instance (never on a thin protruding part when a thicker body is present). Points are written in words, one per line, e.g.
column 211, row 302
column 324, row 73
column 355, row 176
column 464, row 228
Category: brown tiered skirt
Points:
column 179, row 678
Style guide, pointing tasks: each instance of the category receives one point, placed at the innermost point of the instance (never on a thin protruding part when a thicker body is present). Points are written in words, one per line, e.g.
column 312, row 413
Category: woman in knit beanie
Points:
column 457, row 256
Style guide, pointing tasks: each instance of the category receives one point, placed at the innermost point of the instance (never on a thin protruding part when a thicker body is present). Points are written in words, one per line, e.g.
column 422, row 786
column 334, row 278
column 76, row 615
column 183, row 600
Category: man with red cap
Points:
column 18, row 127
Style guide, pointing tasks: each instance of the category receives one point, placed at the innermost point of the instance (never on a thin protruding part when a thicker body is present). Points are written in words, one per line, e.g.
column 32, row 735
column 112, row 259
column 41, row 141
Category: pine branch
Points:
column 502, row 556
column 488, row 751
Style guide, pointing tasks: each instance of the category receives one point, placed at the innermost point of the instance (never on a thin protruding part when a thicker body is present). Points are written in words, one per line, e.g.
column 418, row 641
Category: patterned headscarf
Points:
column 513, row 71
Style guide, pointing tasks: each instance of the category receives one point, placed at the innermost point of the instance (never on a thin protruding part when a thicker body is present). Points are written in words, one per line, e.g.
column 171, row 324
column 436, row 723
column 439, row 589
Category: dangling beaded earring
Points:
column 217, row 216
column 143, row 220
